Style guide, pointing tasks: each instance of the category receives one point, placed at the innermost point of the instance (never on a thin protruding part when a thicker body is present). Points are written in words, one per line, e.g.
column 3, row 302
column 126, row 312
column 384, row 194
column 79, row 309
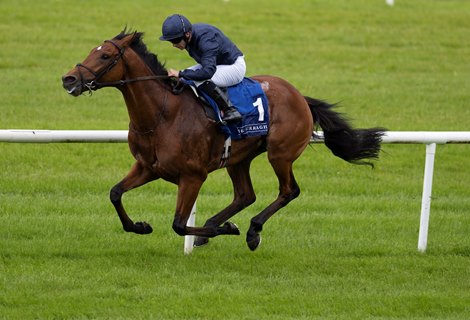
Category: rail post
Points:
column 189, row 240
column 426, row 199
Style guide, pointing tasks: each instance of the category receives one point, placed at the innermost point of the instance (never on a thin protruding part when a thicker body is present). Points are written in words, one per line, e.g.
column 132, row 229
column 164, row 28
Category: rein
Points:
column 94, row 85
column 98, row 85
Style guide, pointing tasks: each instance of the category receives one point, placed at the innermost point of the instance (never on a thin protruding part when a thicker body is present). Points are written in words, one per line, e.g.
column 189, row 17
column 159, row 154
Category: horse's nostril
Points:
column 69, row 79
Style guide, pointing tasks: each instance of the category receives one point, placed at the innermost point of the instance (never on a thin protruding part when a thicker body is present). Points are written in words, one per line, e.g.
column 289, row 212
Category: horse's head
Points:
column 104, row 64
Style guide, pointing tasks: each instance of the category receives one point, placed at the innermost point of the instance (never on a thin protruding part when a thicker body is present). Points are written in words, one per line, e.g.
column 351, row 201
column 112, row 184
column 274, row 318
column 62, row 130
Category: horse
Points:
column 171, row 137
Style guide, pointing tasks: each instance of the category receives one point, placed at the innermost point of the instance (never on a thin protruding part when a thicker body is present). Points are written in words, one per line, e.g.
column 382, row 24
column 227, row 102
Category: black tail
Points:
column 352, row 145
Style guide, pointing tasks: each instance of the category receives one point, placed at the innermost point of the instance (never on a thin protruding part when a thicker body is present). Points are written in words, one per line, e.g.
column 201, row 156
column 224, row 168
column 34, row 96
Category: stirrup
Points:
column 231, row 115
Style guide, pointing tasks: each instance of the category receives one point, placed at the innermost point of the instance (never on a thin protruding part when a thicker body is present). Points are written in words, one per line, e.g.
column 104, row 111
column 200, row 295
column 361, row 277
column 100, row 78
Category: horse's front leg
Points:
column 188, row 190
column 244, row 196
column 138, row 176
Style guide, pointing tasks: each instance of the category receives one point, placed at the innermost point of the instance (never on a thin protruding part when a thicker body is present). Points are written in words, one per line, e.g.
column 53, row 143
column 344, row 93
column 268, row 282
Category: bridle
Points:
column 95, row 85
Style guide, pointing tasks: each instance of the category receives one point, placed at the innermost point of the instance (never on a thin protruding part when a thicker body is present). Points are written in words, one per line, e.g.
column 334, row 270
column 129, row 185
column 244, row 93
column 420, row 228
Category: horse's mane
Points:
column 141, row 49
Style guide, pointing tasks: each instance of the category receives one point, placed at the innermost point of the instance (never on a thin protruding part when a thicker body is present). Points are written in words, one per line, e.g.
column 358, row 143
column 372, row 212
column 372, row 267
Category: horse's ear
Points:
column 131, row 37
column 127, row 40
column 137, row 35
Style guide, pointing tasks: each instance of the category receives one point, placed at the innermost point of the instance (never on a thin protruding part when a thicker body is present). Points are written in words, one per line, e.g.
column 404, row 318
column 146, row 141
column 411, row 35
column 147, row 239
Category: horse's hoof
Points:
column 200, row 241
column 254, row 243
column 142, row 228
column 230, row 228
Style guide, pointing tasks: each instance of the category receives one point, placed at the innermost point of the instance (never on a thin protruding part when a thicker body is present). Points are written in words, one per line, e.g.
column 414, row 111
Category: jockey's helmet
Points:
column 175, row 26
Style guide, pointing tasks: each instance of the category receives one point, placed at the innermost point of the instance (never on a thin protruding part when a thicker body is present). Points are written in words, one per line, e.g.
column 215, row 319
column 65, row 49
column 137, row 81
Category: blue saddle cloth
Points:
column 250, row 100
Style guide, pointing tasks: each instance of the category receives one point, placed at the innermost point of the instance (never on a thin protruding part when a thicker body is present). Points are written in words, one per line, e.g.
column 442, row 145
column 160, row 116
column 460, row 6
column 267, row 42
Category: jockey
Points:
column 220, row 62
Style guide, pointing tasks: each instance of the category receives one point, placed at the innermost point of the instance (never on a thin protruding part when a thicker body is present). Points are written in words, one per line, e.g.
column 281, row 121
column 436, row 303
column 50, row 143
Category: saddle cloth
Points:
column 250, row 100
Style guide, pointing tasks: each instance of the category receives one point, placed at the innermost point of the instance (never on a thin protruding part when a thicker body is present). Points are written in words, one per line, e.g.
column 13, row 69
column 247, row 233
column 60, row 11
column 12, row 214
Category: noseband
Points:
column 95, row 85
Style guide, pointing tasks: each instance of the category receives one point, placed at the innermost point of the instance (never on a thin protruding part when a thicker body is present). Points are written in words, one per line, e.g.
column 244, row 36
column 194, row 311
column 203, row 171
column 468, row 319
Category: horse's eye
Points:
column 104, row 56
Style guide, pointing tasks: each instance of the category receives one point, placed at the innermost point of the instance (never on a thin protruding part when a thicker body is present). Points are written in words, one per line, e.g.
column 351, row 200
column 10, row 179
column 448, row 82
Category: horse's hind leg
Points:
column 288, row 190
column 135, row 178
column 244, row 195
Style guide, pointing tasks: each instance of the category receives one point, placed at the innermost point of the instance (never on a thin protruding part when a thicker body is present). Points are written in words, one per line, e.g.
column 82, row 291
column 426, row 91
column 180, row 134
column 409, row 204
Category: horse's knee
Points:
column 116, row 193
column 245, row 201
column 295, row 192
column 249, row 199
column 287, row 197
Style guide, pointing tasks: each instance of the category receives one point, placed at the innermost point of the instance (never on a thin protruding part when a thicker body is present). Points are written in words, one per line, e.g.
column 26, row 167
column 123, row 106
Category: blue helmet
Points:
column 174, row 27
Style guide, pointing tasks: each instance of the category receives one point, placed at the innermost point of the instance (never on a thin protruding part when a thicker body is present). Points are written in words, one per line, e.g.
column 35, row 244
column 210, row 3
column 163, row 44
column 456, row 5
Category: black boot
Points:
column 230, row 113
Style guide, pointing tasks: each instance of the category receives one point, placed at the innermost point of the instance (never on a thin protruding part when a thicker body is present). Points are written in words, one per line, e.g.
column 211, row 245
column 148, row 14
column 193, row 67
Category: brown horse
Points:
column 171, row 137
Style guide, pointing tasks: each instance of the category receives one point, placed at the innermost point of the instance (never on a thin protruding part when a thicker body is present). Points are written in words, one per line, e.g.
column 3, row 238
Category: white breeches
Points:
column 226, row 75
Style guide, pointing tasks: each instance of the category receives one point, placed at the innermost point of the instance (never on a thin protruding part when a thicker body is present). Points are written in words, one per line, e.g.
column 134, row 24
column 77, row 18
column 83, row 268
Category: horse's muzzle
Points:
column 72, row 84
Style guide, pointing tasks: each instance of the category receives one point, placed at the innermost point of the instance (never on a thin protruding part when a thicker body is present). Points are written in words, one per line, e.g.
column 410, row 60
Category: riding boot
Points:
column 230, row 113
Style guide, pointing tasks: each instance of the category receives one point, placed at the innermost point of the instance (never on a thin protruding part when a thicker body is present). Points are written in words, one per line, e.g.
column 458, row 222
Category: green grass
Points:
column 346, row 248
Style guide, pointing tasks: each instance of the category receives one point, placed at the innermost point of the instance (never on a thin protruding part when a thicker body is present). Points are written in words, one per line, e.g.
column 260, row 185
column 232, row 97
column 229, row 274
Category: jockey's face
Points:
column 180, row 44
column 183, row 42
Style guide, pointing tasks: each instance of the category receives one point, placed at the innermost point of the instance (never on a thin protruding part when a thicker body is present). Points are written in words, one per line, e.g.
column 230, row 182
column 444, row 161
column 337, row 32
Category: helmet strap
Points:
column 187, row 38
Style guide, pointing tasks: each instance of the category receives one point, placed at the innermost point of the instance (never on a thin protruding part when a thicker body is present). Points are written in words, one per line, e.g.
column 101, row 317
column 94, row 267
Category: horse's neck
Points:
column 145, row 100
column 145, row 104
column 151, row 105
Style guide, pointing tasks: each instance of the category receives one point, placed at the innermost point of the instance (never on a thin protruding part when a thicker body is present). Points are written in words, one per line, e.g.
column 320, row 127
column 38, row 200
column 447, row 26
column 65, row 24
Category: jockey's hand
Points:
column 173, row 73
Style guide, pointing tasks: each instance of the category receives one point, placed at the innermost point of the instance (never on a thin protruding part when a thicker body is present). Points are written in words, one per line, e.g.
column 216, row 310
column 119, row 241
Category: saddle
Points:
column 249, row 99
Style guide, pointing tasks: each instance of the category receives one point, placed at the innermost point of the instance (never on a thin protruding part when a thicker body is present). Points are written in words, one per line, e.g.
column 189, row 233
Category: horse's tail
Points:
column 352, row 145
